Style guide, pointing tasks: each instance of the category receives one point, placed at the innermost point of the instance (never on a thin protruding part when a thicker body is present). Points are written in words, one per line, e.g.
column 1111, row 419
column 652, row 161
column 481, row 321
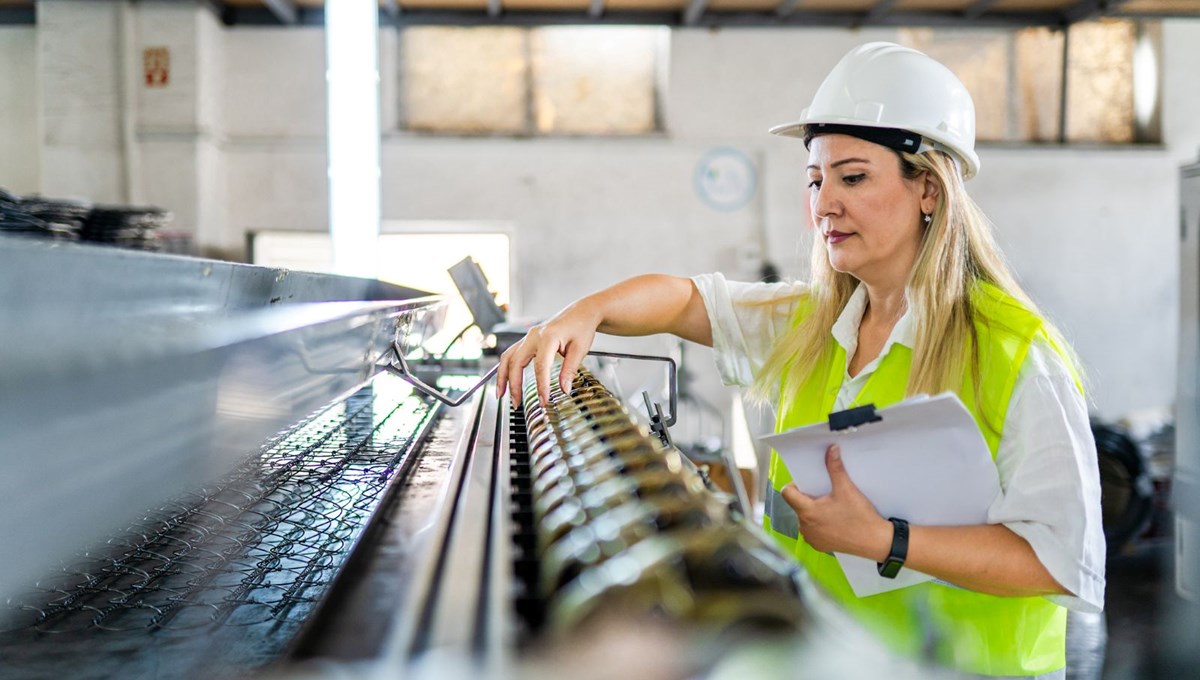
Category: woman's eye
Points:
column 853, row 179
column 814, row 184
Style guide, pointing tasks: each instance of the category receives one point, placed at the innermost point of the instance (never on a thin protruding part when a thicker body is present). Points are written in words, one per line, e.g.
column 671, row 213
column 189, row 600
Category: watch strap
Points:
column 899, row 552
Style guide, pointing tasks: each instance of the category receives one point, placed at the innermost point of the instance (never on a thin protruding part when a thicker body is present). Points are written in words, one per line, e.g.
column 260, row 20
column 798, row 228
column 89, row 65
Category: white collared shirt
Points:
column 1049, row 478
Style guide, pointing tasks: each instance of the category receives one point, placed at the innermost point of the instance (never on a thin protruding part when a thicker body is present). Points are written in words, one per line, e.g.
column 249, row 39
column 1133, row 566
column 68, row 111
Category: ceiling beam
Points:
column 596, row 9
column 798, row 18
column 693, row 12
column 284, row 10
column 18, row 15
column 879, row 11
column 977, row 8
column 1084, row 10
column 790, row 13
column 786, row 7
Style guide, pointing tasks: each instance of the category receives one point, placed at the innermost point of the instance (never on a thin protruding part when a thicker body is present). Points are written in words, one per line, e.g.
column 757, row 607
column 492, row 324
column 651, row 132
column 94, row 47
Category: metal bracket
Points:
column 657, row 423
column 672, row 381
column 398, row 366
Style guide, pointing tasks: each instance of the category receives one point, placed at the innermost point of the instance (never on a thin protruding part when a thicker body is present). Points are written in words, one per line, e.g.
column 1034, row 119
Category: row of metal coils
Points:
column 626, row 526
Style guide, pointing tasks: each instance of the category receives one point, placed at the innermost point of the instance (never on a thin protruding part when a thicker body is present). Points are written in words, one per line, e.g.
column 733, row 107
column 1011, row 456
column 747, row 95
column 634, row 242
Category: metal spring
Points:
column 260, row 548
column 589, row 456
column 627, row 527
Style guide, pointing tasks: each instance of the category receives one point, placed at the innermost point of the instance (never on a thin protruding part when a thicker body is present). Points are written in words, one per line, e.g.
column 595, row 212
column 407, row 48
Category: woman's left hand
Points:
column 844, row 520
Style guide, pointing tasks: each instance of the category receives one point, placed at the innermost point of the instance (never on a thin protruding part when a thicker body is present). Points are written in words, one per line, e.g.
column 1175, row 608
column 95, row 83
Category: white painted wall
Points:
column 274, row 83
column 80, row 70
column 1091, row 232
column 19, row 101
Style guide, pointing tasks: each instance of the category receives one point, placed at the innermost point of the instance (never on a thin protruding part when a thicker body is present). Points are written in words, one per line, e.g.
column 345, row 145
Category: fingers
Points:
column 541, row 370
column 516, row 373
column 797, row 499
column 502, row 373
column 838, row 477
column 576, row 351
column 541, row 346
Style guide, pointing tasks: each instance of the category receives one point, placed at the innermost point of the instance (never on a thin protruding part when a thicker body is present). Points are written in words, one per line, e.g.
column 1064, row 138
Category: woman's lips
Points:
column 834, row 237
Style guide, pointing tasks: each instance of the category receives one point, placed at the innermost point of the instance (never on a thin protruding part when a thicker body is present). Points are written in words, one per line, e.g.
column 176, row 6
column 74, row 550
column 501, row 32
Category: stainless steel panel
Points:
column 95, row 282
column 126, row 378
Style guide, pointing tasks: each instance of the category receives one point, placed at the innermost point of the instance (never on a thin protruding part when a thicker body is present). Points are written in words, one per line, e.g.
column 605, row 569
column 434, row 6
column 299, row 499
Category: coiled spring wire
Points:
column 626, row 525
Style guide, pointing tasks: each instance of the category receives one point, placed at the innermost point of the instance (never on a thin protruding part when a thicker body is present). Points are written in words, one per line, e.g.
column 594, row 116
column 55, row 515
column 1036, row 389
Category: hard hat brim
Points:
column 788, row 129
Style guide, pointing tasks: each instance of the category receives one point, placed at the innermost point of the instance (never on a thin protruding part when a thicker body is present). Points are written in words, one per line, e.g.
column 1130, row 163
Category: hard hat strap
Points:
column 892, row 138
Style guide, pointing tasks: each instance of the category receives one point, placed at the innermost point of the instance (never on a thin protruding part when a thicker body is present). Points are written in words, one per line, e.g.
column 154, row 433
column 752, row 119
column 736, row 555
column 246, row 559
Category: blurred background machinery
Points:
column 137, row 228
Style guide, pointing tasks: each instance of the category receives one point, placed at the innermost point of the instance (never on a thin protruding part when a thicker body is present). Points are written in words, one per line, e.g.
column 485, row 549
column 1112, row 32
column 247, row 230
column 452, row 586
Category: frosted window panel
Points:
column 465, row 80
column 293, row 250
column 1038, row 84
column 1100, row 82
column 980, row 59
column 590, row 80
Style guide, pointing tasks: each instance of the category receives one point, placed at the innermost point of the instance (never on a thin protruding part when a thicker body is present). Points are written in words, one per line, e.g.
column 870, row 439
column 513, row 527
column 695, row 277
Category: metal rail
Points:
column 393, row 362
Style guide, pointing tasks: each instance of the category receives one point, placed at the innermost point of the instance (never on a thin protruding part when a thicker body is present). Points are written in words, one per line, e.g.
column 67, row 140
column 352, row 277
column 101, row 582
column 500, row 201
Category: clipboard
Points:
column 923, row 459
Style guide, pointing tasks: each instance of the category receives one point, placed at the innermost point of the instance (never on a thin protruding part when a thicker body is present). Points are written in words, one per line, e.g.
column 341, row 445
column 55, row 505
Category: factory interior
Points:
column 260, row 260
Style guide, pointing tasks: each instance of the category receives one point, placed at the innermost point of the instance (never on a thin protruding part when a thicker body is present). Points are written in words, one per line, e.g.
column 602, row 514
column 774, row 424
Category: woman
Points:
column 909, row 295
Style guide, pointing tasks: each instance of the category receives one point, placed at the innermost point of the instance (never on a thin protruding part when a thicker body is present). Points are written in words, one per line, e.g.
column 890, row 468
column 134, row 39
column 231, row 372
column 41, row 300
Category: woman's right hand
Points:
column 569, row 333
column 642, row 305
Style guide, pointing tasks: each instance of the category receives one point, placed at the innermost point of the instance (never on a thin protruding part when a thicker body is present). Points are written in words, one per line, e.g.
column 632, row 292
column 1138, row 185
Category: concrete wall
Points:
column 19, row 135
column 1091, row 232
column 81, row 71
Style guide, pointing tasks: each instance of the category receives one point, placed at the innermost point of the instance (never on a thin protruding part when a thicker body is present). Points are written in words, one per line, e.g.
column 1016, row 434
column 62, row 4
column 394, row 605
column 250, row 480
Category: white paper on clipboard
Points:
column 926, row 462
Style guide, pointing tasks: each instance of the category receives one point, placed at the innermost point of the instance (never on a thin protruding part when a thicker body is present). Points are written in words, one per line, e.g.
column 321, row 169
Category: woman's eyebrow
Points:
column 842, row 162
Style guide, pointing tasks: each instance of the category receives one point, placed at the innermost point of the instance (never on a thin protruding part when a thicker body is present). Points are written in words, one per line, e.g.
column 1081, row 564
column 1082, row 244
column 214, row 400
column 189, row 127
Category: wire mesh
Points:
column 221, row 579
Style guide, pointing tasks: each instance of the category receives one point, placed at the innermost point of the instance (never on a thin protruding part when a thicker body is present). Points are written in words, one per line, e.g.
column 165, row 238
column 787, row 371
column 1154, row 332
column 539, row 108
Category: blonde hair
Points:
column 957, row 251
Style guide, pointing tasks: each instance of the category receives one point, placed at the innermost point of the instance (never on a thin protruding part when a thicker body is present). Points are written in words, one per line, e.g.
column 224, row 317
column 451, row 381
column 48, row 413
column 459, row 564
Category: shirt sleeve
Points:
column 747, row 320
column 1050, row 480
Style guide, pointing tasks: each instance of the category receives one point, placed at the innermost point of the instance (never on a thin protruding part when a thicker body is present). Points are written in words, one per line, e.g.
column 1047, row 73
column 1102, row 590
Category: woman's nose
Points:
column 824, row 201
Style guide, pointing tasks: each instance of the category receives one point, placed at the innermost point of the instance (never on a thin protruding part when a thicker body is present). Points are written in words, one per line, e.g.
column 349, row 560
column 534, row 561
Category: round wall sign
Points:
column 726, row 179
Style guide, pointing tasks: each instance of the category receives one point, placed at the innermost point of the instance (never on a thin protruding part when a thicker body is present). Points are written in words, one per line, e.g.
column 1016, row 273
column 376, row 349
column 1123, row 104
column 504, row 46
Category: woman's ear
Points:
column 931, row 191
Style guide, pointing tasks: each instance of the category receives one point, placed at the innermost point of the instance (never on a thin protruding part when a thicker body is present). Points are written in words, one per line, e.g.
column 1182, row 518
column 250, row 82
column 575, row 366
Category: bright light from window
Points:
column 415, row 260
column 1145, row 81
column 352, row 94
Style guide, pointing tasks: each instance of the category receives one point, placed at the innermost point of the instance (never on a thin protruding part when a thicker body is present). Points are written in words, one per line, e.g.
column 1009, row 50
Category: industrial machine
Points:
column 218, row 470
column 1183, row 605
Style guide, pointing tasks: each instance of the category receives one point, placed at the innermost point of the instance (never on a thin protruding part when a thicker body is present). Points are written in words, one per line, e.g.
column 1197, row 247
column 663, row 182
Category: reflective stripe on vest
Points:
column 969, row 631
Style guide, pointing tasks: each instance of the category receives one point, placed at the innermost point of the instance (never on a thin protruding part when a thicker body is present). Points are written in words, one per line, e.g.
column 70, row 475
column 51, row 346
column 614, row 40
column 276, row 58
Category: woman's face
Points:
column 866, row 212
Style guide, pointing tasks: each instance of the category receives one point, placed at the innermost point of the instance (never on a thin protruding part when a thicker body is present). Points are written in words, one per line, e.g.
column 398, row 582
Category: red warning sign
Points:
column 156, row 63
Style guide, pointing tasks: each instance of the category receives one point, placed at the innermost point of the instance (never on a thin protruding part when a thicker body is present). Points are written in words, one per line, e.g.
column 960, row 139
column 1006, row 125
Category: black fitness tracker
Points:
column 895, row 559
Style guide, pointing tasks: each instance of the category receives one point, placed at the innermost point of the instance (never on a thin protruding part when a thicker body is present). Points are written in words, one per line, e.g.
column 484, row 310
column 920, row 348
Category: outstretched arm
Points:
column 643, row 305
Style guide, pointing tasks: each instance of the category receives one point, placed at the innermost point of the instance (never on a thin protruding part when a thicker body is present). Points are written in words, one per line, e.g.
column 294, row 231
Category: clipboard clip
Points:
column 853, row 417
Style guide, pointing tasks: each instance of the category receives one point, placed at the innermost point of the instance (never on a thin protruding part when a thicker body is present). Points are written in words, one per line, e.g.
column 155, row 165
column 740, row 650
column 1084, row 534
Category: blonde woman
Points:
column 909, row 295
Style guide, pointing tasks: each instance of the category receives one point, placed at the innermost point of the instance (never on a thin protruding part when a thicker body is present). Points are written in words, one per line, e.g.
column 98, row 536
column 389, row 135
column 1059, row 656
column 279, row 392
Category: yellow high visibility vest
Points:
column 963, row 629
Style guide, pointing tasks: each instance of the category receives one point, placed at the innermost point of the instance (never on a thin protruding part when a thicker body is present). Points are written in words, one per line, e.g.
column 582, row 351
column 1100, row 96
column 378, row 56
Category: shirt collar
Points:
column 845, row 329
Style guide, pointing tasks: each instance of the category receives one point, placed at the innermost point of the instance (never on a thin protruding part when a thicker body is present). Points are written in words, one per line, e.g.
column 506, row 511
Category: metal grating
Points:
column 222, row 579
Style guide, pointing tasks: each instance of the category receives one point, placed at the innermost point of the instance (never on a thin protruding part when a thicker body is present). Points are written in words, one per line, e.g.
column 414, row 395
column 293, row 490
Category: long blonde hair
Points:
column 957, row 250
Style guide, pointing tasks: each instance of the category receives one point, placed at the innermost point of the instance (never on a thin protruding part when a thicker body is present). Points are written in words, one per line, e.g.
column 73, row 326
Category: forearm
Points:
column 986, row 558
column 649, row 304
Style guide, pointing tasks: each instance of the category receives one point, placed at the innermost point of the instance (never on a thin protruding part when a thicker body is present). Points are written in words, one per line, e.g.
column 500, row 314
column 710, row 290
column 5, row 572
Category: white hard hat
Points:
column 884, row 85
